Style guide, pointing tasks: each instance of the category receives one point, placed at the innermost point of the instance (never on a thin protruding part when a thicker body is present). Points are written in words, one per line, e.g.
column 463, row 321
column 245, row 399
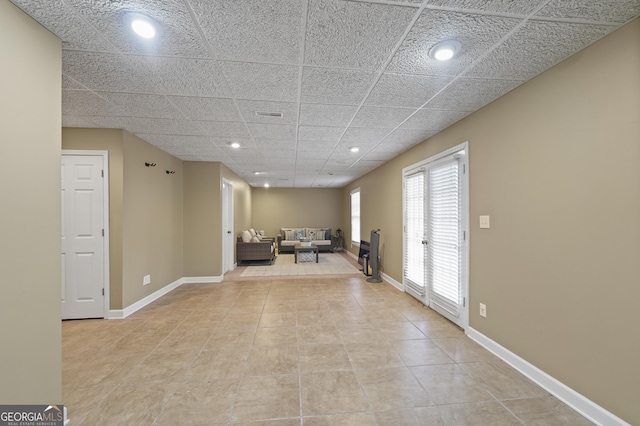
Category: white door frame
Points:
column 464, row 162
column 105, row 204
column 227, row 221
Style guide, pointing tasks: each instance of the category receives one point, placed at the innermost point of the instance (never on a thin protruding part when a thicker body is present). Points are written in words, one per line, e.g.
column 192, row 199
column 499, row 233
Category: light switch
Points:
column 484, row 222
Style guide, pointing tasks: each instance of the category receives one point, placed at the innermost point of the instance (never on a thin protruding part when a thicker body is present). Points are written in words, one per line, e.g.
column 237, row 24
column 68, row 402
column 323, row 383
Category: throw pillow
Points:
column 255, row 240
column 246, row 236
column 298, row 234
column 253, row 232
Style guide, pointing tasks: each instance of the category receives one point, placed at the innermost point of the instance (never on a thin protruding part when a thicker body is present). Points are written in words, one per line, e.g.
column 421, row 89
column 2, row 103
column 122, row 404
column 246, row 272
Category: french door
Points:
column 435, row 205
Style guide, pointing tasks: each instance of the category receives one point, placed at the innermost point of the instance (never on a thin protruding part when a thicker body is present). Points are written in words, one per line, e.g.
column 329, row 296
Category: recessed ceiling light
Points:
column 141, row 24
column 266, row 185
column 445, row 50
column 257, row 173
column 234, row 145
column 354, row 149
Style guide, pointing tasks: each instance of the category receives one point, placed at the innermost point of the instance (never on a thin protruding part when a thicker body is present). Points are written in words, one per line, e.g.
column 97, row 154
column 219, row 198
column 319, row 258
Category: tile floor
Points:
column 276, row 351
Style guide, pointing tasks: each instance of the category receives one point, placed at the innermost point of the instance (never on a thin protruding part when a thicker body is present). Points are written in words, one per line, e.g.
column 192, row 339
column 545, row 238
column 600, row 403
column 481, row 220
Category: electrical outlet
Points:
column 146, row 279
column 483, row 310
column 485, row 222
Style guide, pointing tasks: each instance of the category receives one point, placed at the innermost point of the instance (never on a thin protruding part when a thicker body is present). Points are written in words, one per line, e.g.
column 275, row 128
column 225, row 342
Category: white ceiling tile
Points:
column 407, row 137
column 320, row 133
column 222, row 129
column 78, row 121
column 176, row 33
column 477, row 33
column 249, row 110
column 272, row 131
column 141, row 105
column 326, row 115
column 70, row 84
column 520, row 7
column 60, row 19
column 269, row 145
column 261, row 81
column 619, row 11
column 382, row 117
column 316, row 145
column 471, row 94
column 267, row 31
column 158, row 125
column 196, row 88
column 186, row 76
column 433, row 119
column 215, row 109
column 535, row 48
column 109, row 72
column 353, row 35
column 364, row 136
column 84, row 102
column 405, row 90
column 329, row 86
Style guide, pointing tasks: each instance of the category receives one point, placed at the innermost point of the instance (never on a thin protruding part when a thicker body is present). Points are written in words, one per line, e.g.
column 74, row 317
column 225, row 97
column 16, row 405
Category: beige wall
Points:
column 152, row 219
column 30, row 218
column 145, row 212
column 555, row 165
column 275, row 208
column 203, row 215
column 110, row 140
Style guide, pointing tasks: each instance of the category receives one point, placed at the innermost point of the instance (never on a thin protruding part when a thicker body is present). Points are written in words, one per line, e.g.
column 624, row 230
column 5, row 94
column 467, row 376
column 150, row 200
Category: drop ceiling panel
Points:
column 186, row 76
column 468, row 94
column 433, row 119
column 84, row 102
column 320, row 133
column 141, row 105
column 201, row 108
column 343, row 73
column 382, row 117
column 261, row 81
column 265, row 31
column 326, row 115
column 535, row 48
column 519, row 7
column 72, row 30
column 404, row 90
column 346, row 34
column 222, row 129
column 618, row 11
column 477, row 33
column 109, row 72
column 176, row 33
column 272, row 131
column 335, row 86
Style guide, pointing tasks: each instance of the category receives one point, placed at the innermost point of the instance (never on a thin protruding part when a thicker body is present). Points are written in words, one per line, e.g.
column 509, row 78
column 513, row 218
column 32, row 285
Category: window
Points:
column 355, row 216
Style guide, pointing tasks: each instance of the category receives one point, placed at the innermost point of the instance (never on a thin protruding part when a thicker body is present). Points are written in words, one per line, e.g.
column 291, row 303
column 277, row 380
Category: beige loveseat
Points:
column 288, row 238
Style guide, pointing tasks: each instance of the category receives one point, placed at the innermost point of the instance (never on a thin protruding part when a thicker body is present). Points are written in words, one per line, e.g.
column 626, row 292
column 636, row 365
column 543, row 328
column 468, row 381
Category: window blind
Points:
column 414, row 231
column 443, row 267
column 355, row 216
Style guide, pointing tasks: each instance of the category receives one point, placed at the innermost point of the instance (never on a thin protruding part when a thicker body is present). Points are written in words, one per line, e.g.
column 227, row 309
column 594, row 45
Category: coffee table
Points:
column 299, row 248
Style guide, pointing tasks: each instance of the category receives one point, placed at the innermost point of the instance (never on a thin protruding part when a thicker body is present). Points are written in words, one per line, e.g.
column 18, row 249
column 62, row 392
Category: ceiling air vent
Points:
column 268, row 114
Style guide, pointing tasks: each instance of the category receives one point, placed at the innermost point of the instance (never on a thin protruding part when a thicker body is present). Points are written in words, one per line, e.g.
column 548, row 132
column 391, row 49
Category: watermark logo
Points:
column 31, row 415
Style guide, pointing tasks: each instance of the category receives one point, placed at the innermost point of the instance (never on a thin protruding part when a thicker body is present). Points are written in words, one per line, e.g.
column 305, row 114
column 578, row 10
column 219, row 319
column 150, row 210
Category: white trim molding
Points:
column 393, row 282
column 578, row 402
column 123, row 313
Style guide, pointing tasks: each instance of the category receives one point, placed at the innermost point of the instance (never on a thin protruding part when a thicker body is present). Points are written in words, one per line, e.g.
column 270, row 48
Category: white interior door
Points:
column 435, row 237
column 227, row 226
column 83, row 260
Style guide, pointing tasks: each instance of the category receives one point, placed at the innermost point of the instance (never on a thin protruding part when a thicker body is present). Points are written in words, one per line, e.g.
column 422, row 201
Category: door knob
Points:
column 425, row 242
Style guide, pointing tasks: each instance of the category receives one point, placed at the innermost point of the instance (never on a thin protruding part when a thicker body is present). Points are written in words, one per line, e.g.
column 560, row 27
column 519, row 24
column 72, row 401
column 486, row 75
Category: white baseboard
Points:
column 578, row 402
column 123, row 313
column 393, row 282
